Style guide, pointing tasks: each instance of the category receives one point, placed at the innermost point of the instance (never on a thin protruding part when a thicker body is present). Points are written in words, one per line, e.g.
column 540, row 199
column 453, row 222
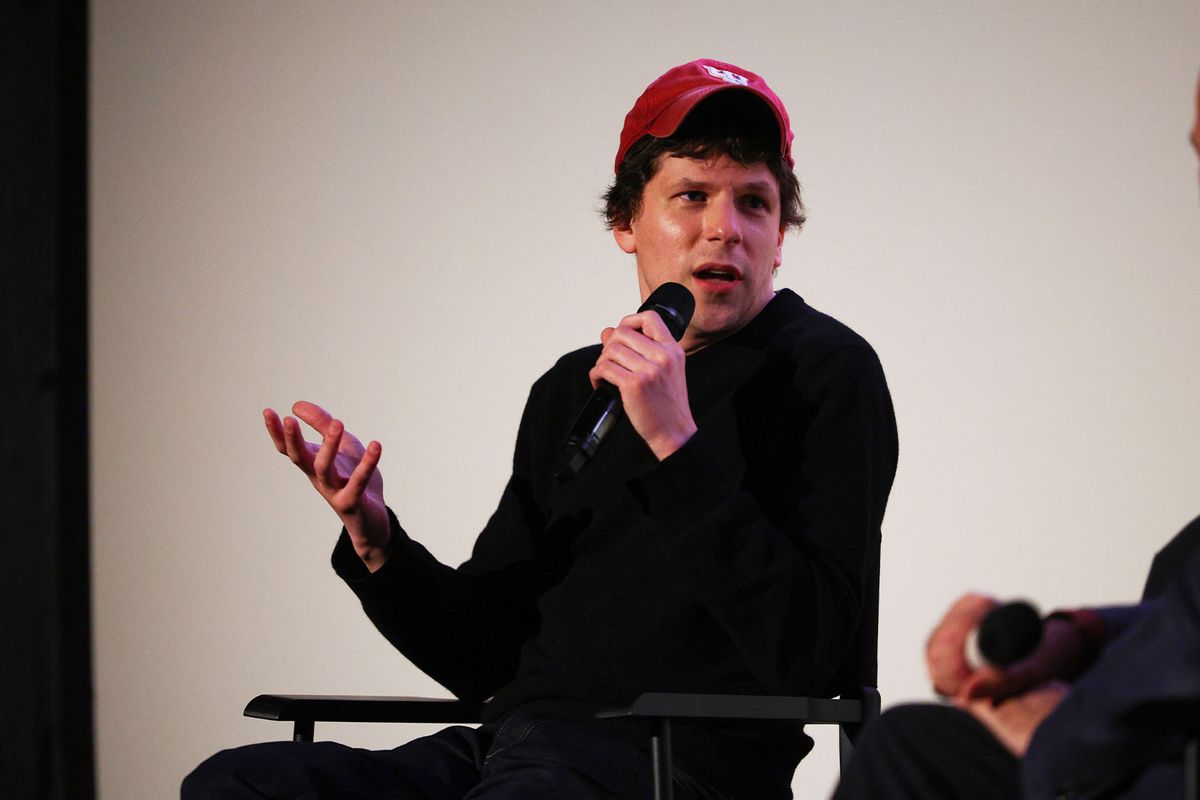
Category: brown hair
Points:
column 733, row 124
column 623, row 200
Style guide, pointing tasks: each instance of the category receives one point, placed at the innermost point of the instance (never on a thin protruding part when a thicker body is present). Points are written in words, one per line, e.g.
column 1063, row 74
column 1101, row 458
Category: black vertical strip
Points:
column 46, row 722
column 75, row 723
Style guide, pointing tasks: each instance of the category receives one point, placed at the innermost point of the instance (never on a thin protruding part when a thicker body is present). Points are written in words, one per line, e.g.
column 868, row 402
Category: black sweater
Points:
column 736, row 565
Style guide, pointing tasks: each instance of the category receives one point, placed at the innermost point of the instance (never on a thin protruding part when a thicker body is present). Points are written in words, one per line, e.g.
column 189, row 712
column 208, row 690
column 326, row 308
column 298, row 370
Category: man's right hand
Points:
column 1058, row 656
column 342, row 471
column 1014, row 721
column 642, row 359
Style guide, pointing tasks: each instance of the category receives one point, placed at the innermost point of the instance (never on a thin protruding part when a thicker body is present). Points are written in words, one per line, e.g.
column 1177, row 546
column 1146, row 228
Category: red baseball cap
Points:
column 669, row 99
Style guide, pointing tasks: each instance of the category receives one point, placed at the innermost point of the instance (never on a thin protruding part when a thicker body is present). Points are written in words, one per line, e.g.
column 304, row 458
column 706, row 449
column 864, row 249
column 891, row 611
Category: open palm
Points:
column 343, row 472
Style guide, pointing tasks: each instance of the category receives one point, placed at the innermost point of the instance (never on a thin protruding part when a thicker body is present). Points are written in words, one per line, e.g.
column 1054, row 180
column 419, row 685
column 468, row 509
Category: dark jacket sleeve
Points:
column 1135, row 706
column 462, row 627
column 780, row 557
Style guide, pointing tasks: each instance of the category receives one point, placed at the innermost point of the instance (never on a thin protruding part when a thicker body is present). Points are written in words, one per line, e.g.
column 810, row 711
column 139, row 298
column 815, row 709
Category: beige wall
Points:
column 389, row 208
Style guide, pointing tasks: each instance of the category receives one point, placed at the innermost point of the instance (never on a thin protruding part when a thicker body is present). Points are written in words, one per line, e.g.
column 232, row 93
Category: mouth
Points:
column 718, row 273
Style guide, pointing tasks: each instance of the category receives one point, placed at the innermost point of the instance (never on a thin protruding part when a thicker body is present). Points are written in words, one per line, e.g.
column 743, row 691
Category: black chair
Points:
column 857, row 703
column 657, row 709
column 1191, row 769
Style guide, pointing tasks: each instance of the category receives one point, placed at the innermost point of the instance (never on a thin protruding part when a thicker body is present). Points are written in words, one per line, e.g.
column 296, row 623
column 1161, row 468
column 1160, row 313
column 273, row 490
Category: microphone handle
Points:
column 601, row 412
column 674, row 304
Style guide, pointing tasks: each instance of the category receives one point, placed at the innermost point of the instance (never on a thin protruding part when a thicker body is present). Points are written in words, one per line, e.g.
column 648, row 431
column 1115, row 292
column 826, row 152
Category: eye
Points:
column 756, row 202
column 694, row 196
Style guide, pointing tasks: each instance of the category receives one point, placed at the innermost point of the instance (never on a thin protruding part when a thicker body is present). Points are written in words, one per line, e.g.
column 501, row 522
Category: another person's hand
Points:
column 945, row 651
column 1059, row 655
column 342, row 471
column 1015, row 720
column 643, row 360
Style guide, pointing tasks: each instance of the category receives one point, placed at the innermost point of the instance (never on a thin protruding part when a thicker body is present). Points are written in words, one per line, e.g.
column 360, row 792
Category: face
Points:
column 712, row 226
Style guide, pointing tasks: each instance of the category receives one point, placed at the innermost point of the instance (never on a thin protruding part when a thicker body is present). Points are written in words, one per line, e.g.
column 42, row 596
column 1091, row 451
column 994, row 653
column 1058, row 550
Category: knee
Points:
column 235, row 773
column 904, row 721
column 933, row 721
column 910, row 732
column 204, row 781
column 927, row 732
column 212, row 778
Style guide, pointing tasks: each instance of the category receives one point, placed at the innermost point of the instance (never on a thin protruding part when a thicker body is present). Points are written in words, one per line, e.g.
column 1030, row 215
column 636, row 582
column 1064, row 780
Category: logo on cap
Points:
column 672, row 96
column 727, row 76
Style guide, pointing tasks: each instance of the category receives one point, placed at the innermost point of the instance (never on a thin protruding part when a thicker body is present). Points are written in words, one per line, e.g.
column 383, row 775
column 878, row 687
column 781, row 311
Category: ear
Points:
column 779, row 247
column 626, row 240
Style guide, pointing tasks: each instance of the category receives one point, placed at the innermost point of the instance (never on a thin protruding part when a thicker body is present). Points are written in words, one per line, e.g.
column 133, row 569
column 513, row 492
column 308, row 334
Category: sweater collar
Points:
column 760, row 329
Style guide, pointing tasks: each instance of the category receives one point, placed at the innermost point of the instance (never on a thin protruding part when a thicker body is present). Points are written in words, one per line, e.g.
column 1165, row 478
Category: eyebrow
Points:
column 752, row 186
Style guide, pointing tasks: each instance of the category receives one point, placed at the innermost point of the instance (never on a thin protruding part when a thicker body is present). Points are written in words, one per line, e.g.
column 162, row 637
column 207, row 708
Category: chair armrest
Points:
column 659, row 705
column 663, row 708
column 340, row 708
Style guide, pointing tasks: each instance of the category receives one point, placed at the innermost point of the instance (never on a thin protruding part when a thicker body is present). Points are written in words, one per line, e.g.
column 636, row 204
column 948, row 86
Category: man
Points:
column 718, row 541
column 1117, row 731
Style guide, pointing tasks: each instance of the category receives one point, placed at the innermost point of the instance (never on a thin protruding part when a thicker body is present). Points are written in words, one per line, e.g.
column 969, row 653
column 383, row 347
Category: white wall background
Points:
column 389, row 208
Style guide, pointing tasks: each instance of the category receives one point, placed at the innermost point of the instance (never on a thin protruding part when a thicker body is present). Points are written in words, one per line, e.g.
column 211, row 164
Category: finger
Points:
column 997, row 684
column 982, row 683
column 622, row 355
column 297, row 448
column 653, row 327
column 608, row 372
column 361, row 476
column 633, row 321
column 325, row 462
column 313, row 414
column 275, row 429
column 631, row 348
column 605, row 335
column 948, row 674
column 649, row 324
column 959, row 620
column 620, row 366
column 594, row 377
column 946, row 661
column 973, row 607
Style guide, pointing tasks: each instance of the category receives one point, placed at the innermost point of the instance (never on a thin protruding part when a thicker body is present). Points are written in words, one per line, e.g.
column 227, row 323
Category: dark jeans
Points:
column 933, row 752
column 929, row 752
column 518, row 757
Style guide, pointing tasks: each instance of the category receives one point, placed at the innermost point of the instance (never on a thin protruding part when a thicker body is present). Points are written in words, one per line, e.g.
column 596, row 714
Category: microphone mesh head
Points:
column 1009, row 633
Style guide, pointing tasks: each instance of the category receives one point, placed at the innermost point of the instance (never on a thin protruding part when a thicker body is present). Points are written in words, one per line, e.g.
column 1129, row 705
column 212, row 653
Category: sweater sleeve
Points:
column 1136, row 705
column 463, row 627
column 780, row 561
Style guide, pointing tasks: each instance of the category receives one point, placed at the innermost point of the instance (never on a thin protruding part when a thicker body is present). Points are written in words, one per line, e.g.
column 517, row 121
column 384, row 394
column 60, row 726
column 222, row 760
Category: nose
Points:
column 721, row 222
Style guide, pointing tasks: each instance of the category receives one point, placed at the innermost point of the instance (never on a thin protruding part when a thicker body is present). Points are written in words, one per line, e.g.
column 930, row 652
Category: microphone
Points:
column 675, row 304
column 1009, row 633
